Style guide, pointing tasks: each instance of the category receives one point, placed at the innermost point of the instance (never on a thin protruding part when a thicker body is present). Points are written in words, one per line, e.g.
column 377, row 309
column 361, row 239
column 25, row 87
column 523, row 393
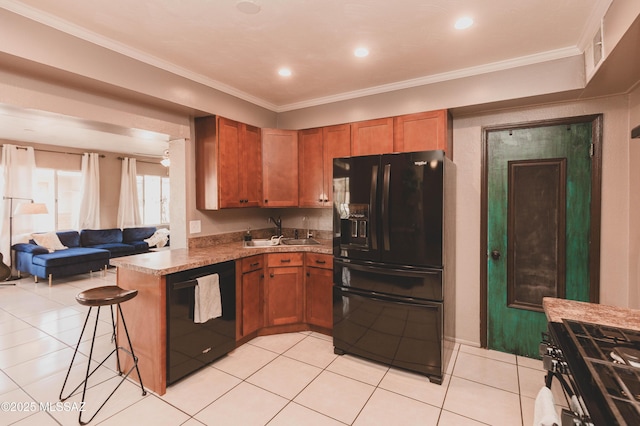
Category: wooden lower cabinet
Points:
column 318, row 290
column 284, row 289
column 250, row 295
column 283, row 292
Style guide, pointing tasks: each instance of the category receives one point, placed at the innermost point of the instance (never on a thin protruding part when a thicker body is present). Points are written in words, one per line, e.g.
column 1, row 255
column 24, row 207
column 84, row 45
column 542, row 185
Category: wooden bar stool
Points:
column 102, row 296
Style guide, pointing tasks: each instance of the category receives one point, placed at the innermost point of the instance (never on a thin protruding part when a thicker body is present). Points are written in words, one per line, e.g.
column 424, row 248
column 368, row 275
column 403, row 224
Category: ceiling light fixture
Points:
column 248, row 7
column 361, row 52
column 463, row 23
column 284, row 72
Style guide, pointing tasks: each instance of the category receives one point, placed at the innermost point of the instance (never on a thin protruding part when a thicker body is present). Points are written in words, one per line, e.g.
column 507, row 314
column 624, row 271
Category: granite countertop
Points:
column 559, row 309
column 165, row 262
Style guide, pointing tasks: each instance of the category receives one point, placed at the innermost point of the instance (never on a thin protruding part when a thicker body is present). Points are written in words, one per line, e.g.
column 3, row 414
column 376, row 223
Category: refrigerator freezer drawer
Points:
column 399, row 334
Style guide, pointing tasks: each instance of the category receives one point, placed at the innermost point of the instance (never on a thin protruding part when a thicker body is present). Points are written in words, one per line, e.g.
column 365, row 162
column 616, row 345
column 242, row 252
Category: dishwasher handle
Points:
column 184, row 284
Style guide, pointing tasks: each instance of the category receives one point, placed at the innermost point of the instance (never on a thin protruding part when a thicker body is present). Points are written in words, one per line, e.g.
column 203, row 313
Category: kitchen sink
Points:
column 260, row 243
column 300, row 242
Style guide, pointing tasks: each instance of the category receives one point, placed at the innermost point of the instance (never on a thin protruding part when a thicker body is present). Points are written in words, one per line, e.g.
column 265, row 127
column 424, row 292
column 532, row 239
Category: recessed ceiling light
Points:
column 463, row 23
column 284, row 72
column 248, row 7
column 361, row 52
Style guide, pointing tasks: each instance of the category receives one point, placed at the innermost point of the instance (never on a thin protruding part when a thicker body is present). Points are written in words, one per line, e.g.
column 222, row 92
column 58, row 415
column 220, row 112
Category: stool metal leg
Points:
column 90, row 372
column 73, row 358
column 135, row 358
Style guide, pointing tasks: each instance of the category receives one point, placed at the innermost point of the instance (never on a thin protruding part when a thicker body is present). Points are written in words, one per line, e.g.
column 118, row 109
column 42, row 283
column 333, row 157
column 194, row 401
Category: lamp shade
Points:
column 31, row 208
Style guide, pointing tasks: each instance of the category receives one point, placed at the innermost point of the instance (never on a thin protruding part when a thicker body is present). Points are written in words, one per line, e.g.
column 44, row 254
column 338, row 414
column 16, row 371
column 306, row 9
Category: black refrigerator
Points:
column 394, row 253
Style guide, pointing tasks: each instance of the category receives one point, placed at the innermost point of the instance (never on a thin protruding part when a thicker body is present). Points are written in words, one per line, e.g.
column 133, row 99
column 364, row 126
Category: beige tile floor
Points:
column 287, row 379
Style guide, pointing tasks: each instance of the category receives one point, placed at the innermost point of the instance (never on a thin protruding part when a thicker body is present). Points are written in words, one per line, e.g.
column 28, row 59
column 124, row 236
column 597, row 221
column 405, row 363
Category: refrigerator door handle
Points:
column 385, row 207
column 373, row 200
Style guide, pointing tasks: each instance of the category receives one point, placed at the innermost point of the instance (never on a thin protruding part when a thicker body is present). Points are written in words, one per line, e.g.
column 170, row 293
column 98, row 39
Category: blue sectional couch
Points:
column 87, row 250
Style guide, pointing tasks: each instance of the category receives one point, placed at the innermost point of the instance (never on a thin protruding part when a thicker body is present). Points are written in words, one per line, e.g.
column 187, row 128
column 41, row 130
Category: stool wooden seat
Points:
column 97, row 297
column 106, row 295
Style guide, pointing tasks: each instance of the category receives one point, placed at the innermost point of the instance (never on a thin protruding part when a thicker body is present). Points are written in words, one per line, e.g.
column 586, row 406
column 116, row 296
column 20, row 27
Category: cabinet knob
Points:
column 271, row 275
column 308, row 274
column 266, row 201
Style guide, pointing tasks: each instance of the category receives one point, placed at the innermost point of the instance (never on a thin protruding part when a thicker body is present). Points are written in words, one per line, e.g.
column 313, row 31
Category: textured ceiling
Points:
column 411, row 42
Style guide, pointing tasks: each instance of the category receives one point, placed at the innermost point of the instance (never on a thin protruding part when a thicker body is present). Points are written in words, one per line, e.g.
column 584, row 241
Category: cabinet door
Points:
column 318, row 290
column 206, row 158
column 252, row 301
column 423, row 131
column 229, row 154
column 336, row 143
column 372, row 137
column 311, row 168
column 283, row 295
column 279, row 168
column 250, row 166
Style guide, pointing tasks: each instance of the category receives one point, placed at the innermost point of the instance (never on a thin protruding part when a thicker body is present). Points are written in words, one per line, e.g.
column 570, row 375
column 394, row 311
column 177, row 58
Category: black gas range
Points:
column 598, row 367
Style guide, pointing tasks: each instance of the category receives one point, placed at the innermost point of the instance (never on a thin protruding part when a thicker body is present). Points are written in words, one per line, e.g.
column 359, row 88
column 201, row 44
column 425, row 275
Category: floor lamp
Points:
column 22, row 209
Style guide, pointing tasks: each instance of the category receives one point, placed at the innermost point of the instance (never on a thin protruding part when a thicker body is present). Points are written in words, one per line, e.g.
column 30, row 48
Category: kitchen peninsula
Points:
column 268, row 307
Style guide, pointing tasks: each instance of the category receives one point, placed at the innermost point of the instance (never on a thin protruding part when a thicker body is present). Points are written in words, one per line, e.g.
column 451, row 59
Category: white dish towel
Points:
column 544, row 413
column 207, row 299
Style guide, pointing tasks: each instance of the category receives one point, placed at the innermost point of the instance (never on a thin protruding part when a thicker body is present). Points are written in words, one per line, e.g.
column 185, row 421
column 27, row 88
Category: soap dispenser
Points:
column 247, row 235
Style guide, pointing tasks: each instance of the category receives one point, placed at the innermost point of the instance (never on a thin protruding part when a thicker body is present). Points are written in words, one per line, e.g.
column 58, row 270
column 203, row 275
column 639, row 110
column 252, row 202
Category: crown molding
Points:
column 438, row 78
column 94, row 38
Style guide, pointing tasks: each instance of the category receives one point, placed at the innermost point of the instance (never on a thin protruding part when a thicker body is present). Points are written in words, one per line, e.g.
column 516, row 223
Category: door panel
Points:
column 536, row 227
column 532, row 175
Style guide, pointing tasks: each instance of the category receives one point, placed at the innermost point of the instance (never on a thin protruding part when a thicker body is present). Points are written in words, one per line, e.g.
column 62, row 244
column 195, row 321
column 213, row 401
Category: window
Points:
column 153, row 198
column 60, row 191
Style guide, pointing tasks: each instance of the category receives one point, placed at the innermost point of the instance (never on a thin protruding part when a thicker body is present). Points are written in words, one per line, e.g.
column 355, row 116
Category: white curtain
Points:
column 128, row 209
column 89, row 215
column 18, row 176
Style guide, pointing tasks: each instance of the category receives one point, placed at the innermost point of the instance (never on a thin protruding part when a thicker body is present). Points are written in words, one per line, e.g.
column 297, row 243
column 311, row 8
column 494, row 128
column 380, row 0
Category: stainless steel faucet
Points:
column 278, row 223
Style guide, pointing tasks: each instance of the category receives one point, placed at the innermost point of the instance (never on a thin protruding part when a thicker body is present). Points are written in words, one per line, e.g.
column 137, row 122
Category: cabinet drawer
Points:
column 284, row 259
column 318, row 260
column 252, row 263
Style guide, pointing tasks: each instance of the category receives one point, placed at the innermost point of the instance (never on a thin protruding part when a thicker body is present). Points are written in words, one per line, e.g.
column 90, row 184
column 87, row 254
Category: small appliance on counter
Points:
column 394, row 292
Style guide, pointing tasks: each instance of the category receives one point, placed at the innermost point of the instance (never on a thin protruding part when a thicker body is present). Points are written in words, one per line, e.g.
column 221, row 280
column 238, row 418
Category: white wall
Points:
column 634, row 202
column 615, row 285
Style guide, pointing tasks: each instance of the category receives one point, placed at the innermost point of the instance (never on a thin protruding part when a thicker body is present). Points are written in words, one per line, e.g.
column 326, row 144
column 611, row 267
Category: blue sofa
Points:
column 88, row 250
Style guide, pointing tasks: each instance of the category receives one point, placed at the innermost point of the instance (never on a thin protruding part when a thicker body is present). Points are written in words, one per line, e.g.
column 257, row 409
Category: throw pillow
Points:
column 48, row 240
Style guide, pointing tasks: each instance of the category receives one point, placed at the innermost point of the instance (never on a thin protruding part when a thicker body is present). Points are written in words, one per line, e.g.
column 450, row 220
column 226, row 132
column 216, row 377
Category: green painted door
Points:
column 538, row 228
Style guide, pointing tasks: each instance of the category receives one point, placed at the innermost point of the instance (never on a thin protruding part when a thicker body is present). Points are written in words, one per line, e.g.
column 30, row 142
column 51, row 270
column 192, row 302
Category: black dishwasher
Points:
column 192, row 345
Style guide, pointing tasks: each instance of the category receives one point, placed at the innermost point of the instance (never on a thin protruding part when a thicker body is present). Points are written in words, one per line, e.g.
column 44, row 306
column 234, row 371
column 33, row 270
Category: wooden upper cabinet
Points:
column 316, row 150
column 311, row 168
column 423, row 131
column 250, row 166
column 228, row 164
column 239, row 164
column 372, row 137
column 206, row 163
column 229, row 153
column 337, row 143
column 279, row 168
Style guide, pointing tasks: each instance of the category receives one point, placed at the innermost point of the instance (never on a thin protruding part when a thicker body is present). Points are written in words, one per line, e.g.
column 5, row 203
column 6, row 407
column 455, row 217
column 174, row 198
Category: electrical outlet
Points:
column 195, row 227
